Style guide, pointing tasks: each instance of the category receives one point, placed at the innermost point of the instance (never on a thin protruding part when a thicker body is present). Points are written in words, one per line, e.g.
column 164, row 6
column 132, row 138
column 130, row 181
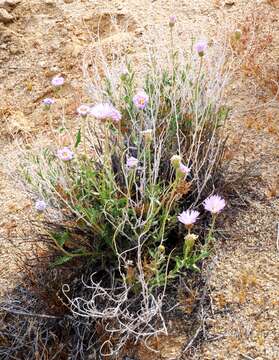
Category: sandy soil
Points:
column 49, row 37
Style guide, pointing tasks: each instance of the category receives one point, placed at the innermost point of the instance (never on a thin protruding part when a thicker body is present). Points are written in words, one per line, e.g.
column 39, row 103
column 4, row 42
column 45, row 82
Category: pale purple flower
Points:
column 140, row 100
column 57, row 81
column 105, row 112
column 188, row 217
column 40, row 205
column 172, row 20
column 184, row 170
column 48, row 101
column 132, row 162
column 83, row 110
column 65, row 154
column 214, row 204
column 200, row 47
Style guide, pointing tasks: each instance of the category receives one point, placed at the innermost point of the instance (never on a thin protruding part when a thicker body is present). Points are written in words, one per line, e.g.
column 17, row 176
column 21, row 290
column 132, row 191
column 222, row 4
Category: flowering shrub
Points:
column 146, row 154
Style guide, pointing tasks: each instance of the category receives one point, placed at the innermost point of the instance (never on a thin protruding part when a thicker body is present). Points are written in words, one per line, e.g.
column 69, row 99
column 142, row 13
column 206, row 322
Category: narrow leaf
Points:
column 61, row 260
column 78, row 138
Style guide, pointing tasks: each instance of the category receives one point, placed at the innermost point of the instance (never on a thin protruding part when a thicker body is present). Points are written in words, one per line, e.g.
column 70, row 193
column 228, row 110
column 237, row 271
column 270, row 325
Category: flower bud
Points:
column 172, row 21
column 124, row 72
column 147, row 135
column 238, row 34
column 201, row 47
column 176, row 161
column 83, row 110
column 189, row 242
column 161, row 248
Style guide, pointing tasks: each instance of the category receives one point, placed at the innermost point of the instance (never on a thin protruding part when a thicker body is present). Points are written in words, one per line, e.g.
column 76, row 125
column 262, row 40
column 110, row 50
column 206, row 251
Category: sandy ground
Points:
column 49, row 37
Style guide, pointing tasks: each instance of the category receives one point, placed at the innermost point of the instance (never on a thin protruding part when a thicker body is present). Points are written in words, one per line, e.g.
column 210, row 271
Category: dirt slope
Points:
column 48, row 37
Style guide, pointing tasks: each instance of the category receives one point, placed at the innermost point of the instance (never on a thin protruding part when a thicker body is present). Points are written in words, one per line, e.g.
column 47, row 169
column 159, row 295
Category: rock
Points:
column 6, row 37
column 5, row 17
column 63, row 32
column 50, row 2
column 14, row 50
column 54, row 46
column 43, row 64
column 8, row 4
column 18, row 122
column 73, row 49
column 229, row 3
column 53, row 70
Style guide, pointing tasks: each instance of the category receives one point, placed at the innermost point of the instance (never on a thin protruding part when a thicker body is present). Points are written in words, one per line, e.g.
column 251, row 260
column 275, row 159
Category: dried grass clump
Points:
column 253, row 43
column 29, row 331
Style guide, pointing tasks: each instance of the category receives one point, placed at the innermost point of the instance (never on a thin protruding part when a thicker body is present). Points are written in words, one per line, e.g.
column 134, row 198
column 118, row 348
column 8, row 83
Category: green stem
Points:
column 168, row 208
column 211, row 230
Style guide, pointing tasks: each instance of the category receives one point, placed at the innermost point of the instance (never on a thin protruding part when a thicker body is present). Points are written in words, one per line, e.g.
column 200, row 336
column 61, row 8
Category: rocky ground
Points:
column 42, row 38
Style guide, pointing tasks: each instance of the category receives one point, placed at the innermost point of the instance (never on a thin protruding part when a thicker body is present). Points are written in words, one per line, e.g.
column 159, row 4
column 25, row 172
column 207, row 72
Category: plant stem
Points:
column 211, row 230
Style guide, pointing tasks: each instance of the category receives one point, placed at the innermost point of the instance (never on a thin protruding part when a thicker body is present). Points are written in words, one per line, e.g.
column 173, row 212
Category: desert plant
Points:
column 149, row 146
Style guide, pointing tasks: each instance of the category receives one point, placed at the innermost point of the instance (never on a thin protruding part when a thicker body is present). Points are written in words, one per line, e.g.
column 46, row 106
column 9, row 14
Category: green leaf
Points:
column 61, row 260
column 61, row 238
column 78, row 138
column 122, row 202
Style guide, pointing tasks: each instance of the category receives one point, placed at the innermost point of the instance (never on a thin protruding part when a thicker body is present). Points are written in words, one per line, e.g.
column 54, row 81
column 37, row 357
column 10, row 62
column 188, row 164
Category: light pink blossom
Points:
column 65, row 154
column 132, row 162
column 83, row 110
column 184, row 170
column 141, row 99
column 188, row 217
column 214, row 204
column 200, row 47
column 57, row 81
column 105, row 111
column 40, row 205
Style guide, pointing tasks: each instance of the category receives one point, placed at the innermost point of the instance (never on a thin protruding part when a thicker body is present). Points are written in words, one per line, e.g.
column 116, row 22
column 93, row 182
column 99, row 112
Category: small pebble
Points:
column 5, row 17
column 8, row 4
